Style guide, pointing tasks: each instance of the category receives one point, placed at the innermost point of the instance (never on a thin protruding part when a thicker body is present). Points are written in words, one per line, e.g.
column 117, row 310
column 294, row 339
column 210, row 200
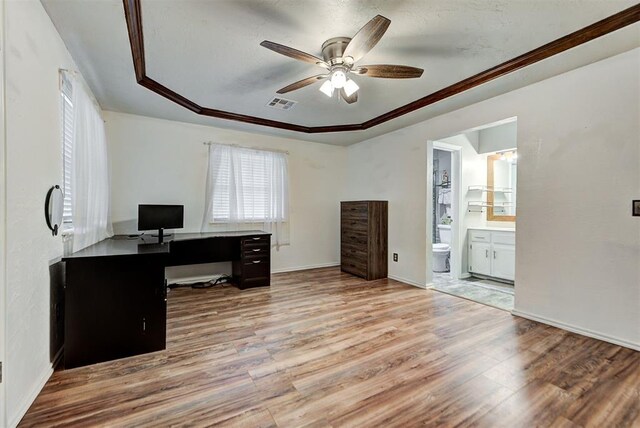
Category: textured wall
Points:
column 34, row 53
column 578, row 248
column 161, row 161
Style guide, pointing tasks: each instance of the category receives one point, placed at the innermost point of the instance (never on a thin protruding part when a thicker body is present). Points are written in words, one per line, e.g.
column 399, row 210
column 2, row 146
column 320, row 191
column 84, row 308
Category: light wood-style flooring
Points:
column 324, row 348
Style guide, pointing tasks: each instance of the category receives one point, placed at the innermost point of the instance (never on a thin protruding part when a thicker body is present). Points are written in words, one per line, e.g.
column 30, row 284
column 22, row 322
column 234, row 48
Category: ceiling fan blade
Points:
column 367, row 37
column 302, row 83
column 387, row 71
column 350, row 100
column 294, row 53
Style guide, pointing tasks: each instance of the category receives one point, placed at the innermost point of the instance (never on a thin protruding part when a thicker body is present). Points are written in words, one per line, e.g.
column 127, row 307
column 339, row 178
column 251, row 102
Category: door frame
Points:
column 455, row 257
column 3, row 212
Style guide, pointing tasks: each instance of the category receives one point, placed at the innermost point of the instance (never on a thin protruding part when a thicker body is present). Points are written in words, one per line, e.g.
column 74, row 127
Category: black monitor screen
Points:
column 151, row 217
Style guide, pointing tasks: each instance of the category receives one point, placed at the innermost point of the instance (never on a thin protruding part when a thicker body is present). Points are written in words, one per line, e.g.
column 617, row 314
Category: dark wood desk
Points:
column 115, row 290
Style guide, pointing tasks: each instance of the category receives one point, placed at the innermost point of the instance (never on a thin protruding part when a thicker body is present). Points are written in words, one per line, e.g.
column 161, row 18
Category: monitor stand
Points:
column 161, row 236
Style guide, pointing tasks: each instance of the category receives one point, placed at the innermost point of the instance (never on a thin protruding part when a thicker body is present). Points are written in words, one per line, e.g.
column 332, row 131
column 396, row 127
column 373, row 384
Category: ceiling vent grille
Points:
column 281, row 103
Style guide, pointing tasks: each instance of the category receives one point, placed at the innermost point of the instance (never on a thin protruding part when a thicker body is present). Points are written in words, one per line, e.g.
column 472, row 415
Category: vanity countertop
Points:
column 493, row 229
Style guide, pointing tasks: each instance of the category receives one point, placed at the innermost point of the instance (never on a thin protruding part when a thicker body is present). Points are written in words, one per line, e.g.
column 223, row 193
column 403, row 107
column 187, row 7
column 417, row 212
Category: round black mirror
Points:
column 53, row 209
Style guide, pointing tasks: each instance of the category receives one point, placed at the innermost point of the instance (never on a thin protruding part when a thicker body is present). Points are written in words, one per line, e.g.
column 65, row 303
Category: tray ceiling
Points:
column 209, row 52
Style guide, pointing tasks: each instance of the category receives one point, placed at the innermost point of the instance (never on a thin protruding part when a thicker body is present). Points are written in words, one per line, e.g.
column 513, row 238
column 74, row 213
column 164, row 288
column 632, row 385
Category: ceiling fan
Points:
column 339, row 56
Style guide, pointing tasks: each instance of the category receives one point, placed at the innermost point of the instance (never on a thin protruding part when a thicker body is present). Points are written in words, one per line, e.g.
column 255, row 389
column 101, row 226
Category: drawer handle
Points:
column 256, row 239
column 256, row 250
column 256, row 261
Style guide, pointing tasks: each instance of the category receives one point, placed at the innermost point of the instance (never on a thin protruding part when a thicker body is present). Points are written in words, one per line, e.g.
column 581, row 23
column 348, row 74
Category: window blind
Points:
column 252, row 196
column 67, row 150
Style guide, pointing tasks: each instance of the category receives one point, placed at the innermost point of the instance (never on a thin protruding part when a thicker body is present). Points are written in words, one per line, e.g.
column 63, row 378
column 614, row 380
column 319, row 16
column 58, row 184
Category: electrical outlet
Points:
column 395, row 257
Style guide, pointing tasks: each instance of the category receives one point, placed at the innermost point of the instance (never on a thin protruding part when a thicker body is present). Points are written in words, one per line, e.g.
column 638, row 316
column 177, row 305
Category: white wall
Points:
column 496, row 138
column 160, row 161
column 578, row 248
column 3, row 230
column 34, row 53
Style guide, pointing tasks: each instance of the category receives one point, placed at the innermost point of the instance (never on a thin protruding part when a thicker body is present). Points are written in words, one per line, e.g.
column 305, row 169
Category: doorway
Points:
column 472, row 180
column 444, row 215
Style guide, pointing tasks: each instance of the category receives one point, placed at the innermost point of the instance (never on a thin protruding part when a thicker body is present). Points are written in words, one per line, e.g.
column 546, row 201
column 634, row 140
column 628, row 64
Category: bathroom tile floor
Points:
column 483, row 291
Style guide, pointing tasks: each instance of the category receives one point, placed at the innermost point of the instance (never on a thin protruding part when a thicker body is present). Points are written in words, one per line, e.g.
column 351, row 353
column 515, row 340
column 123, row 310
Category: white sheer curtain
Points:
column 89, row 172
column 247, row 189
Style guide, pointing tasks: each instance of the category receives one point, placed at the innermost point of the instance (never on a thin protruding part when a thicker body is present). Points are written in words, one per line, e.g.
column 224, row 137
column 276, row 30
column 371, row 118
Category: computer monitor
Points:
column 160, row 217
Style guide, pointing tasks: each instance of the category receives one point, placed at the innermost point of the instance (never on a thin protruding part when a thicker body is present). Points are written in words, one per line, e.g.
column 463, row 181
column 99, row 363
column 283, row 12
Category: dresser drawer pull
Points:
column 256, row 239
column 256, row 261
column 256, row 250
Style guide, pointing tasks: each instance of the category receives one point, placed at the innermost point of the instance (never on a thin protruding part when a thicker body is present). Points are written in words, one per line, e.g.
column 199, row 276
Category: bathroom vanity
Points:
column 492, row 252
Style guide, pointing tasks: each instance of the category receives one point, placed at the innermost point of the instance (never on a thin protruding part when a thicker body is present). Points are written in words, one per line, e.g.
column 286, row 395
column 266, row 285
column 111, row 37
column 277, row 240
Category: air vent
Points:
column 281, row 103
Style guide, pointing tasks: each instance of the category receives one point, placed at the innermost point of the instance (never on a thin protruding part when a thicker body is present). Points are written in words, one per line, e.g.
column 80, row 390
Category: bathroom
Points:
column 473, row 213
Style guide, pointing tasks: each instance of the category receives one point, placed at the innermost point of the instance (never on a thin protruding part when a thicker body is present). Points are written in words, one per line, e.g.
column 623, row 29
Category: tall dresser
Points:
column 363, row 240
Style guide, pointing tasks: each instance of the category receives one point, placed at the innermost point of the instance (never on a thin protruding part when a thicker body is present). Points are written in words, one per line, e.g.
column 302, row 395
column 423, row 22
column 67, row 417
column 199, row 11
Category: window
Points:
column 251, row 186
column 248, row 186
column 67, row 150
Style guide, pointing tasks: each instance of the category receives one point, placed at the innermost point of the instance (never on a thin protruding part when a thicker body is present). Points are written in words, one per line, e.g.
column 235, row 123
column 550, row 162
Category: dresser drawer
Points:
column 358, row 210
column 354, row 267
column 480, row 235
column 355, row 257
column 356, row 251
column 348, row 225
column 354, row 237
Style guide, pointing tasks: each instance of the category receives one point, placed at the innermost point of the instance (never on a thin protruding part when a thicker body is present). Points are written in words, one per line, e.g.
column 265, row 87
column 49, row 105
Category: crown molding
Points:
column 133, row 16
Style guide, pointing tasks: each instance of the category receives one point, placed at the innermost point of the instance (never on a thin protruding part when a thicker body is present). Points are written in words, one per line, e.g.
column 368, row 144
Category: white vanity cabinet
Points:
column 492, row 253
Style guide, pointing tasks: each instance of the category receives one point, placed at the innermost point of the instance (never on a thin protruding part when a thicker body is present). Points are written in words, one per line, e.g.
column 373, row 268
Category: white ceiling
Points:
column 209, row 52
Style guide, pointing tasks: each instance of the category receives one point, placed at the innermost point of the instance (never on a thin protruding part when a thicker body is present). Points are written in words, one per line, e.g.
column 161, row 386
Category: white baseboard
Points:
column 296, row 268
column 30, row 398
column 408, row 281
column 578, row 330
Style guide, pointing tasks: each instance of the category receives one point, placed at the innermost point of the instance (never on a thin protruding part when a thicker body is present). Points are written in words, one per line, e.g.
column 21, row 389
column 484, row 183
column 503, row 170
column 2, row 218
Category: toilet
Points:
column 441, row 251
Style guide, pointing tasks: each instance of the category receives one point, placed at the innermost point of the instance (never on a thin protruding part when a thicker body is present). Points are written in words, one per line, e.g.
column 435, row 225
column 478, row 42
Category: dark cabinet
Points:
column 115, row 307
column 253, row 268
column 363, row 238
column 115, row 301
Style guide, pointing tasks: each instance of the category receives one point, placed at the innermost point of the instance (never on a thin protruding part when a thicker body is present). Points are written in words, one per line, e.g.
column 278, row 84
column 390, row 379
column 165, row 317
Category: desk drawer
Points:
column 256, row 241
column 256, row 250
column 263, row 281
column 253, row 268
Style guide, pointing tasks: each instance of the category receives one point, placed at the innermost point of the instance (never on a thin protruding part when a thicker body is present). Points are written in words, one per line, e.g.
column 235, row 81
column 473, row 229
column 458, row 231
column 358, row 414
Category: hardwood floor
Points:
column 324, row 348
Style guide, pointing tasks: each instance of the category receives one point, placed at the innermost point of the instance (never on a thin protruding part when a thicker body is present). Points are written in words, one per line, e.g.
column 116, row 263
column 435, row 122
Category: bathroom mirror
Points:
column 53, row 209
column 501, row 184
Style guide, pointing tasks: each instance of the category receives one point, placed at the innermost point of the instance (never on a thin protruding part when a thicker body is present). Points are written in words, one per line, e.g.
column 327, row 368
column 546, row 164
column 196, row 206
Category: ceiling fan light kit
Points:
column 339, row 56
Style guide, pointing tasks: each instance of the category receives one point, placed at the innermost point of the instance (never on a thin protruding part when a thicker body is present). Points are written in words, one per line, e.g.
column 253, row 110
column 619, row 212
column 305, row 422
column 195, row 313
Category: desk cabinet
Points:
column 115, row 297
column 115, row 307
column 363, row 240
column 253, row 267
